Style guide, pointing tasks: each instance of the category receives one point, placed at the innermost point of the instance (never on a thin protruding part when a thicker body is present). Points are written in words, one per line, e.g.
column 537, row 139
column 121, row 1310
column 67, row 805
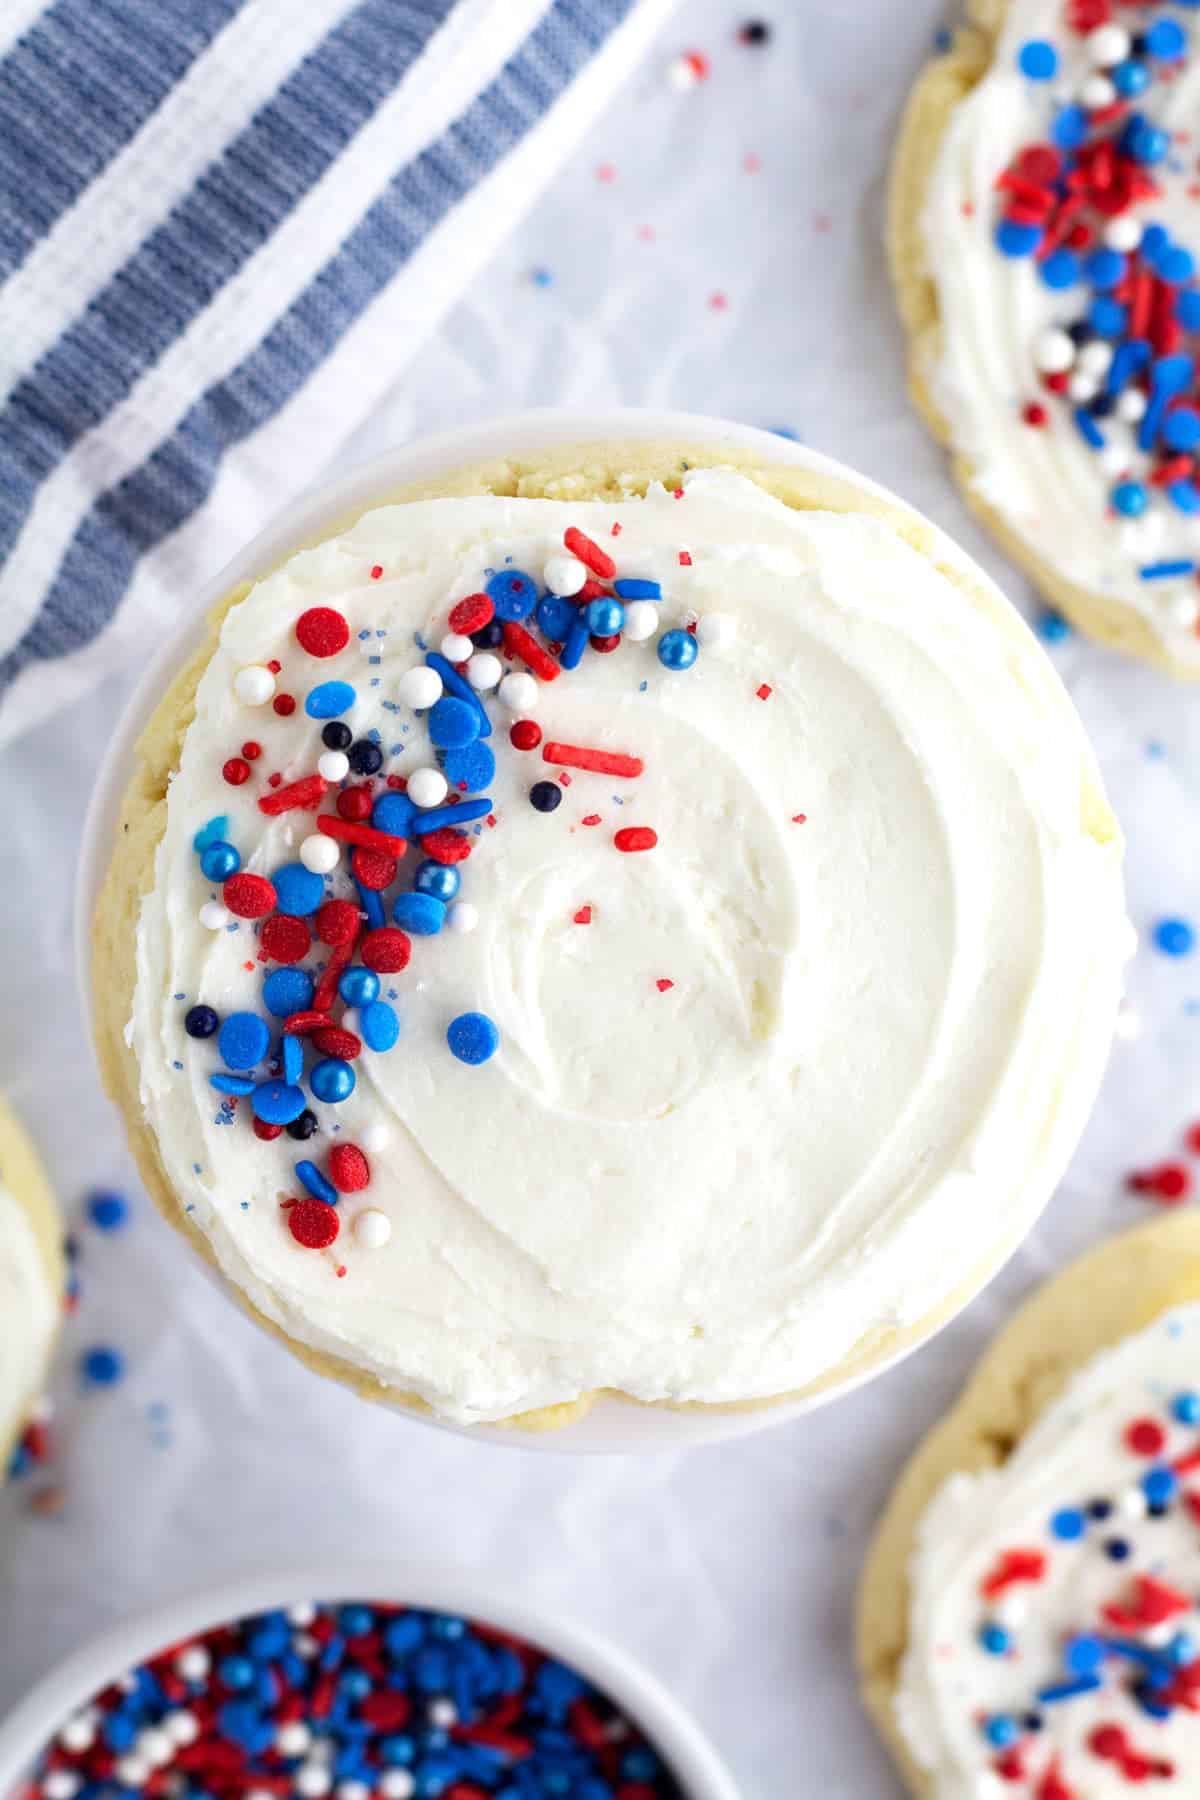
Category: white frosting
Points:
column 885, row 1024
column 1045, row 482
column 28, row 1313
column 1076, row 1453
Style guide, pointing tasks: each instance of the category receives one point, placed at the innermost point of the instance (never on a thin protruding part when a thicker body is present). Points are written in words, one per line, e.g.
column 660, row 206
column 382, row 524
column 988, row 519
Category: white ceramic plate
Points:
column 613, row 1426
column 72, row 1684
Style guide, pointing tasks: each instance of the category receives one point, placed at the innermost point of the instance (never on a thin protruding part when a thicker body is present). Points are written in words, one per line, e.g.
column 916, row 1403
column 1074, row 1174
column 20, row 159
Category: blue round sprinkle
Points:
column 287, row 991
column 277, row 1102
column 1130, row 78
column 1052, row 628
column 677, row 650
column 1013, row 239
column 472, row 1037
column 379, row 1025
column 994, row 1638
column 471, row 768
column 1187, row 309
column 1183, row 1649
column 605, row 618
column 1107, row 316
column 1067, row 1524
column 211, row 833
column 1186, row 1408
column 102, row 1366
column 1038, row 60
column 556, row 616
column 1070, row 128
column 1159, row 1484
column 513, row 593
column 200, row 1021
column 219, row 861
column 1146, row 143
column 1001, row 1730
column 1181, row 430
column 453, row 723
column 1175, row 937
column 1176, row 265
column 236, row 1671
column 393, row 812
column 244, row 1040
column 1106, row 268
column 293, row 1058
column 359, row 986
column 107, row 1209
column 1130, row 498
column 1155, row 239
column 332, row 1080
column 1060, row 269
column 329, row 700
column 422, row 914
column 1167, row 40
column 311, row 1178
column 1084, row 1654
column 356, row 1621
column 441, row 880
column 299, row 891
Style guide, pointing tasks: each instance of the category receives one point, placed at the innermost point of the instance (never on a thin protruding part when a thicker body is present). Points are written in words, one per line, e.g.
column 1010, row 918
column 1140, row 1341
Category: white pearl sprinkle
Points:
column 334, row 765
column 641, row 620
column 396, row 1784
column 1108, row 45
column 716, row 631
column 372, row 1228
column 1097, row 91
column 427, row 787
column 376, row 1138
column 78, row 1733
column 305, row 1645
column 352, row 1790
column 60, row 1784
column 484, row 671
column 1054, row 352
column 419, row 688
column 155, row 1745
column 1011, row 1609
column 312, row 1780
column 181, row 1727
column 442, row 1713
column 1131, row 405
column 193, row 1662
column 319, row 853
column 293, row 1739
column 302, row 1614
column 1132, row 1504
column 131, row 1771
column 564, row 575
column 462, row 917
column 254, row 685
column 1083, row 387
column 1182, row 610
column 1094, row 358
column 1124, row 233
column 456, row 647
column 519, row 692
column 214, row 916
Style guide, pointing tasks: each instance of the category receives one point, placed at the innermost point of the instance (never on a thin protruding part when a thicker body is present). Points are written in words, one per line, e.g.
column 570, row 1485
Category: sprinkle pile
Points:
column 504, row 641
column 1144, row 1641
column 1080, row 203
column 359, row 1701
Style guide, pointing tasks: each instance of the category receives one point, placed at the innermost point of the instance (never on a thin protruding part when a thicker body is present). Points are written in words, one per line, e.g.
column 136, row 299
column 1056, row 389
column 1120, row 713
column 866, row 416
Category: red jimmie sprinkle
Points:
column 355, row 803
column 1011, row 1567
column 302, row 1023
column 597, row 560
column 600, row 762
column 526, row 734
column 386, row 950
column 326, row 989
column 249, row 896
column 312, row 1223
column 305, row 792
column 322, row 631
column 518, row 643
column 349, row 1169
column 635, row 837
column 284, row 939
column 337, row 922
column 373, row 869
column 446, row 845
column 348, row 831
column 236, row 771
column 335, row 1040
column 472, row 614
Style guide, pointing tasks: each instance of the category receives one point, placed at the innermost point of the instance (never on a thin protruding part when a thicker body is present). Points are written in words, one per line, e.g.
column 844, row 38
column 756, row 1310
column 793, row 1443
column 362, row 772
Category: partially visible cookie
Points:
column 31, row 1277
column 1044, row 216
column 1028, row 1616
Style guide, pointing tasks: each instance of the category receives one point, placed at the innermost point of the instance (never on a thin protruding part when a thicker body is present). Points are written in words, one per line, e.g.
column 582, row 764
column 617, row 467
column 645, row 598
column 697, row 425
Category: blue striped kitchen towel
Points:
column 220, row 220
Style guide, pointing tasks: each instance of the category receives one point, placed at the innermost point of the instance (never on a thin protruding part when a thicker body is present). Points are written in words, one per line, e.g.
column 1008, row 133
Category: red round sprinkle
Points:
column 764, row 690
column 373, row 868
column 1107, row 1742
column 1171, row 1181
column 236, row 771
column 1040, row 163
column 472, row 614
column 313, row 1224
column 583, row 916
column 251, row 751
column 604, row 645
column 376, row 571
column 349, row 1169
column 266, row 1132
column 284, row 939
column 664, row 984
column 275, row 666
column 446, row 845
column 355, row 803
column 333, row 1040
column 284, row 705
column 386, row 950
column 322, row 631
column 1035, row 413
column 526, row 734
column 1145, row 1437
column 337, row 922
column 636, row 837
column 249, row 896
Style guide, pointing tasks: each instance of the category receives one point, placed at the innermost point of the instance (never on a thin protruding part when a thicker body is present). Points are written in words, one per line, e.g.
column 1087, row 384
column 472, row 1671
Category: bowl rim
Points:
column 34, row 1721
column 613, row 1424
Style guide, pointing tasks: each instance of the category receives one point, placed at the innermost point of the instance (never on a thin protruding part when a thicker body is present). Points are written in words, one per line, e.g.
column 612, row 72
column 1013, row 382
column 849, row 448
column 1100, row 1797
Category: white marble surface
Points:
column 730, row 1570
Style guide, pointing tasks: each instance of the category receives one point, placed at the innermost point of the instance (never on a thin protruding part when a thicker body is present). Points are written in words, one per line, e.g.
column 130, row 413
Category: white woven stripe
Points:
column 216, row 100
column 478, row 39
column 303, row 437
